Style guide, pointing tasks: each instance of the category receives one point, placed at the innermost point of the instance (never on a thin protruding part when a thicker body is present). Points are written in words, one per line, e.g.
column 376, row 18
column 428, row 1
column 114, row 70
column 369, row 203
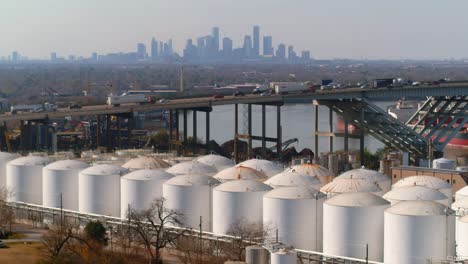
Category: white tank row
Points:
column 354, row 220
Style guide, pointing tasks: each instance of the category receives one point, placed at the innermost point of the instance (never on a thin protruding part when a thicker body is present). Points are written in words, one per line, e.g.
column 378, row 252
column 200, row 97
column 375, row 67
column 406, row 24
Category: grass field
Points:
column 29, row 253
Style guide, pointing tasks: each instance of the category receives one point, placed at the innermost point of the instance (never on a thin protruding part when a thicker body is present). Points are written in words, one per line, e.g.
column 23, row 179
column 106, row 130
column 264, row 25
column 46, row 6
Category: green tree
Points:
column 160, row 141
column 96, row 231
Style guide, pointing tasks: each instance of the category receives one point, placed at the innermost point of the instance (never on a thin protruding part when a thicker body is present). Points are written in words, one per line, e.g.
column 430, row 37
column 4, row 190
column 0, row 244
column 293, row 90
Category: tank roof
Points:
column 463, row 219
column 30, row 161
column 312, row 169
column 414, row 193
column 104, row 169
column 461, row 203
column 239, row 172
column 417, row 208
column 243, row 186
column 357, row 199
column 291, row 177
column 216, row 160
column 270, row 168
column 67, row 165
column 192, row 180
column 350, row 185
column 463, row 191
column 426, row 181
column 192, row 167
column 293, row 192
column 147, row 175
column 8, row 155
column 146, row 162
column 365, row 174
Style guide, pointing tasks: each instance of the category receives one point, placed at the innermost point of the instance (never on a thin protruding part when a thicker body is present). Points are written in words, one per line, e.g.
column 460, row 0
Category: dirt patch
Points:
column 24, row 253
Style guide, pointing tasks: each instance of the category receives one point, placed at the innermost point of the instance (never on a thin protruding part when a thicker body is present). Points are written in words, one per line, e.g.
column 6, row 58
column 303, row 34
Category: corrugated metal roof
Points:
column 147, row 175
column 67, row 165
column 192, row 180
column 30, row 161
column 293, row 192
column 417, row 208
column 104, row 169
column 357, row 199
column 414, row 193
column 243, row 186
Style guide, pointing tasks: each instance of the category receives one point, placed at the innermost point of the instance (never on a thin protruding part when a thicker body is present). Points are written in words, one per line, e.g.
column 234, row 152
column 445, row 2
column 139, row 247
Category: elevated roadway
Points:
column 458, row 89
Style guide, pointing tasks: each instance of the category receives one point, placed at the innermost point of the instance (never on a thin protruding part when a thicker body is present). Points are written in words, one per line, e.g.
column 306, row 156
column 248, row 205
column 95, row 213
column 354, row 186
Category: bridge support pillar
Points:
column 29, row 137
column 249, row 130
column 185, row 126
column 346, row 135
column 38, row 135
column 361, row 138
column 236, row 132
column 129, row 130
column 263, row 131
column 279, row 132
column 207, row 123
column 98, row 131
column 316, row 131
column 330, row 129
column 177, row 136
column 194, row 131
column 108, row 133
column 171, row 120
column 119, row 142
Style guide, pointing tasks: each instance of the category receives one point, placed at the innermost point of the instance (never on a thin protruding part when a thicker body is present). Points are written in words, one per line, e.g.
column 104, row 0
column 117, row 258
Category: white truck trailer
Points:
column 116, row 100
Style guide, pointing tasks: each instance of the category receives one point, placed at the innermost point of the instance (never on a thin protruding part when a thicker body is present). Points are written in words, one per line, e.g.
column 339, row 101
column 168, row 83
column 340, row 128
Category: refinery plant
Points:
column 357, row 215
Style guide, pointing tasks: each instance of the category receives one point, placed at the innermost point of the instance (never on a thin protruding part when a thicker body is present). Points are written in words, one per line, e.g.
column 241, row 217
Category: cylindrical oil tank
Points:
column 256, row 255
column 445, row 164
column 294, row 214
column 99, row 189
column 270, row 168
column 384, row 182
column 240, row 172
column 5, row 157
column 146, row 162
column 462, row 193
column 462, row 237
column 238, row 202
column 217, row 161
column 418, row 231
column 314, row 170
column 24, row 179
column 192, row 167
column 191, row 195
column 350, row 185
column 138, row 189
column 461, row 206
column 414, row 193
column 60, row 184
column 429, row 182
column 290, row 177
column 352, row 221
column 283, row 256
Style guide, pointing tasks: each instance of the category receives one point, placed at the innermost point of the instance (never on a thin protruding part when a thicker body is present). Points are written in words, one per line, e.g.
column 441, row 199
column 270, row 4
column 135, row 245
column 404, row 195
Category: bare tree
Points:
column 244, row 234
column 7, row 215
column 150, row 225
column 196, row 250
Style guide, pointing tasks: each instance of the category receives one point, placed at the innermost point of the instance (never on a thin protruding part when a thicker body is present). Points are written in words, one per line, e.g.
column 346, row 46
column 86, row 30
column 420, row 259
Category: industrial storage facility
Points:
column 290, row 177
column 270, row 168
column 240, row 172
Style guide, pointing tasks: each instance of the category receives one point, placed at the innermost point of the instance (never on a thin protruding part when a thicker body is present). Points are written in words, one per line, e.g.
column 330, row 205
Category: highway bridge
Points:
column 354, row 104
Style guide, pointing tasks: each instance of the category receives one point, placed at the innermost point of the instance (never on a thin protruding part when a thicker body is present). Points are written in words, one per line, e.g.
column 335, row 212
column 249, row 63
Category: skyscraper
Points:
column 53, row 56
column 215, row 34
column 227, row 47
column 305, row 55
column 267, row 46
column 247, row 46
column 281, row 51
column 141, row 51
column 291, row 53
column 256, row 41
column 14, row 56
column 154, row 49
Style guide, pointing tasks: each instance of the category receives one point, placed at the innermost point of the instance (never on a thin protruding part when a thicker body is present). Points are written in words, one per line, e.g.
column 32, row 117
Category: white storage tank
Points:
column 240, row 172
column 429, row 182
column 418, row 231
column 192, row 167
column 270, row 168
column 291, row 177
column 296, row 214
column 138, row 189
column 462, row 237
column 283, row 256
column 350, row 222
column 314, row 170
column 350, row 185
column 146, row 162
column 414, row 193
column 191, row 195
column 445, row 164
column 217, row 161
column 238, row 201
column 462, row 193
column 384, row 182
column 5, row 157
column 24, row 179
column 60, row 184
column 99, row 189
column 461, row 206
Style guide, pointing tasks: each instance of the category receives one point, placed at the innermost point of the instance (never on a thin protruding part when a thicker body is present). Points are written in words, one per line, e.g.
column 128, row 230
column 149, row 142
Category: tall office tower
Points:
column 305, row 55
column 281, row 51
column 53, row 56
column 291, row 53
column 190, row 51
column 267, row 46
column 215, row 35
column 248, row 47
column 161, row 48
column 141, row 51
column 169, row 46
column 227, row 47
column 14, row 56
column 94, row 56
column 256, row 41
column 154, row 49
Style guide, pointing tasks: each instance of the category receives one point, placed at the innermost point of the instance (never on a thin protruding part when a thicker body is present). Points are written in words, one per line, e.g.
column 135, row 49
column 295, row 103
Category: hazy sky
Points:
column 394, row 29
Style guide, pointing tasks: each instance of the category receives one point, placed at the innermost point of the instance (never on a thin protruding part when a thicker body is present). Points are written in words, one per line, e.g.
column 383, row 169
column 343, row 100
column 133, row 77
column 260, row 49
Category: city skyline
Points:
column 397, row 29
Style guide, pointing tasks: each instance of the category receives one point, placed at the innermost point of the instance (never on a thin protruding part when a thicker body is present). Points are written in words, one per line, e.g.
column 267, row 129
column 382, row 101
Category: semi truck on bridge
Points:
column 34, row 108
